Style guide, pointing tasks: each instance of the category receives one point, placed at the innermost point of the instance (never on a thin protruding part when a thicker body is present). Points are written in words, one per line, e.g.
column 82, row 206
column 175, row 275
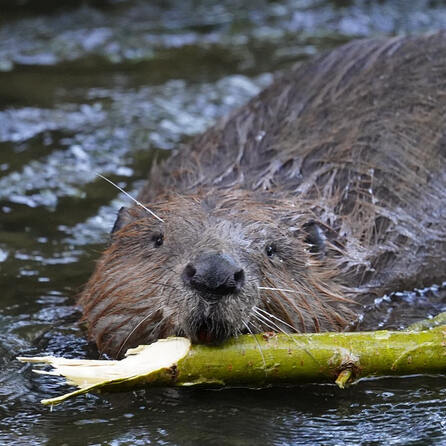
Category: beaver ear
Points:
column 123, row 218
column 316, row 237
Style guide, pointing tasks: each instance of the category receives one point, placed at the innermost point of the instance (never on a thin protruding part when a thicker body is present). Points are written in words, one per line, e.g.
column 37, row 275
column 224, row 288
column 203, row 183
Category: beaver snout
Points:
column 214, row 274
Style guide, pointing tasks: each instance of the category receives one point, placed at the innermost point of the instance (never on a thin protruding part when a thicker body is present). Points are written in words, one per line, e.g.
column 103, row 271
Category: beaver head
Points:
column 218, row 264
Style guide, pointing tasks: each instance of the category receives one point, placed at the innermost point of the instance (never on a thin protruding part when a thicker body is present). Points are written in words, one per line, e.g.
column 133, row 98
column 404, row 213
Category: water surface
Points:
column 110, row 87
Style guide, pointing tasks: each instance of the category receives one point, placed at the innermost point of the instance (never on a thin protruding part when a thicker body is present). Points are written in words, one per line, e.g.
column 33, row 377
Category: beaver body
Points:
column 326, row 190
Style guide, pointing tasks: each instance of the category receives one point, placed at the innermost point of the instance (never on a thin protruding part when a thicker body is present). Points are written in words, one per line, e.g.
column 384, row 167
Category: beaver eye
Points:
column 270, row 249
column 158, row 240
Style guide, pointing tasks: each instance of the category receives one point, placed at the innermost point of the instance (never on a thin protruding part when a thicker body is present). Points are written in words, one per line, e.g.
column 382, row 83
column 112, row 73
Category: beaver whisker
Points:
column 265, row 320
column 260, row 317
column 292, row 303
column 279, row 305
column 118, row 311
column 157, row 325
column 131, row 198
column 257, row 327
column 258, row 344
column 144, row 319
column 117, row 327
column 265, row 323
column 258, row 309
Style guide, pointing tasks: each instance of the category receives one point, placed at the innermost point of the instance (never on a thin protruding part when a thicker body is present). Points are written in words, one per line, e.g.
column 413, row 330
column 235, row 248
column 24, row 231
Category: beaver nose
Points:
column 214, row 273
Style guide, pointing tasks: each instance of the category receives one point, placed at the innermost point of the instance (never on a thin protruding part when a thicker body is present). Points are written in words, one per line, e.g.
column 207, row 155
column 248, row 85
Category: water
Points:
column 109, row 89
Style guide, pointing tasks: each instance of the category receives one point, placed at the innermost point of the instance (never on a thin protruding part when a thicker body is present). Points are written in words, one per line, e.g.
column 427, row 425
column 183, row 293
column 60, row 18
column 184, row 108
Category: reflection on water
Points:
column 110, row 89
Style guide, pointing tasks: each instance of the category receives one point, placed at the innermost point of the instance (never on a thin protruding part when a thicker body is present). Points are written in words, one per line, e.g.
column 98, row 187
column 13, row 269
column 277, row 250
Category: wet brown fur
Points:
column 352, row 143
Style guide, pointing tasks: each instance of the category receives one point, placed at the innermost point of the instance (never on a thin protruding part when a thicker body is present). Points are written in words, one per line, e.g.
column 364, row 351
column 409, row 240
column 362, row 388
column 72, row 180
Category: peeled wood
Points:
column 265, row 359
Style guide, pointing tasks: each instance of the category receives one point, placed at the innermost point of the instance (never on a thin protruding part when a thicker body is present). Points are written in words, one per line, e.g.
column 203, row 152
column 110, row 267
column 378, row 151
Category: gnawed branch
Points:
column 258, row 361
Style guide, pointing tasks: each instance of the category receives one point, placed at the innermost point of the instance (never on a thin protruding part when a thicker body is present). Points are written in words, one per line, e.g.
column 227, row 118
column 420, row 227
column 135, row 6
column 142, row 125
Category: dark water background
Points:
column 107, row 86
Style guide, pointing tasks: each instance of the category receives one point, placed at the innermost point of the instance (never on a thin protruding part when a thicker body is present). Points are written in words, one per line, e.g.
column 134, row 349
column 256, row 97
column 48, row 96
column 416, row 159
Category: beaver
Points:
column 324, row 191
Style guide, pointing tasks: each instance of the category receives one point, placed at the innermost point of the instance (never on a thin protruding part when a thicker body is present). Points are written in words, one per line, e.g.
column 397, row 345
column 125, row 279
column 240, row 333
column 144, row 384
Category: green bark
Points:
column 278, row 359
column 313, row 357
column 427, row 324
